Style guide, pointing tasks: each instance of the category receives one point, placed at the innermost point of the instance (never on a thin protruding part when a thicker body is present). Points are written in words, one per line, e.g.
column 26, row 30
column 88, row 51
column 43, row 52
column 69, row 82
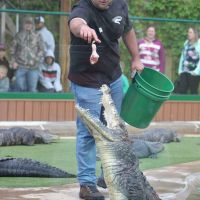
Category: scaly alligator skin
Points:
column 23, row 136
column 22, row 167
column 158, row 135
column 145, row 149
column 123, row 177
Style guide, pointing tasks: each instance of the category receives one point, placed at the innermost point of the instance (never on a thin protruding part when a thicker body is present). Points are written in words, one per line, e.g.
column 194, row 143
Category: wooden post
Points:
column 64, row 44
column 3, row 25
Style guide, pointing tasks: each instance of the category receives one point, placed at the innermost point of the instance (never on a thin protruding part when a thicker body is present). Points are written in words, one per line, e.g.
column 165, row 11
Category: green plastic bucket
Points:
column 144, row 97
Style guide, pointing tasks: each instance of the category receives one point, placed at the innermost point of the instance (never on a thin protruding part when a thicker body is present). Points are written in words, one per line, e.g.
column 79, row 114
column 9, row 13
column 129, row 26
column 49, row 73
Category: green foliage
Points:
column 47, row 5
column 172, row 34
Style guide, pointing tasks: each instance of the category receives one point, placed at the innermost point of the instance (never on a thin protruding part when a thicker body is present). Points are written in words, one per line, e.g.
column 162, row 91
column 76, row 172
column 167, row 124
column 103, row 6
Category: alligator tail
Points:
column 22, row 167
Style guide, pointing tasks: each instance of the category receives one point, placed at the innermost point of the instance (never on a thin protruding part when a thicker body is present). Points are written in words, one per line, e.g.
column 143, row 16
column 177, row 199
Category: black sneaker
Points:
column 101, row 182
column 89, row 192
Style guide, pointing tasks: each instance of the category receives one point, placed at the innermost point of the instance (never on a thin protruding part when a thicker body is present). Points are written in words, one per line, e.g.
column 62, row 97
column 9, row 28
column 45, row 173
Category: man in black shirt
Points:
column 102, row 22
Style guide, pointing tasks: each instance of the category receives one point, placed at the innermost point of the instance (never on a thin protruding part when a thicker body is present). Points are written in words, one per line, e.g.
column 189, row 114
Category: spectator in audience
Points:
column 47, row 36
column 189, row 65
column 50, row 74
column 4, row 61
column 27, row 52
column 151, row 50
column 4, row 80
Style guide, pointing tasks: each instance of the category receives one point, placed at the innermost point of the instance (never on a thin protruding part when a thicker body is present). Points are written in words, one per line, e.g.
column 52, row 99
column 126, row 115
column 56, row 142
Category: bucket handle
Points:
column 133, row 73
column 152, row 93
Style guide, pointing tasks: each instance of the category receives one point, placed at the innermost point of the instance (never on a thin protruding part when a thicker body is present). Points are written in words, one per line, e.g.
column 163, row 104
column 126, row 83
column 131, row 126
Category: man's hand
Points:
column 193, row 74
column 15, row 65
column 79, row 28
column 136, row 65
column 88, row 34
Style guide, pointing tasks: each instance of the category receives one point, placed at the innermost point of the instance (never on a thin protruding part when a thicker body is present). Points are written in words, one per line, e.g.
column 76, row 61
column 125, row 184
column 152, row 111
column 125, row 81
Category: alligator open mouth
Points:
column 115, row 128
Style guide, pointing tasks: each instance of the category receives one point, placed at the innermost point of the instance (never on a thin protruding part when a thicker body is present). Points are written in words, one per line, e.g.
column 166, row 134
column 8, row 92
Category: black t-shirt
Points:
column 109, row 25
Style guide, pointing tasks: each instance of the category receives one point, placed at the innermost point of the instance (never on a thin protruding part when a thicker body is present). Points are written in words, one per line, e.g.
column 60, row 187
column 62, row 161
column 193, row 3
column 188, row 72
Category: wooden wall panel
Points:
column 3, row 110
column 44, row 106
column 36, row 113
column 53, row 111
column 28, row 108
column 173, row 111
column 20, row 110
column 167, row 112
column 196, row 111
column 12, row 110
column 181, row 111
column 63, row 110
column 188, row 111
column 70, row 111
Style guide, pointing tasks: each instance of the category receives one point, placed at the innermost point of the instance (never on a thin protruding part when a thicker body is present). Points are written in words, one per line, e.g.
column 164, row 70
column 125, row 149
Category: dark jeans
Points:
column 187, row 83
column 41, row 88
column 26, row 79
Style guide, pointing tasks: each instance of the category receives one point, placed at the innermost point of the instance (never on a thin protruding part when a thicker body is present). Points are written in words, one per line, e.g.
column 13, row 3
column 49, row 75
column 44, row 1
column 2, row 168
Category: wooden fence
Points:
column 60, row 107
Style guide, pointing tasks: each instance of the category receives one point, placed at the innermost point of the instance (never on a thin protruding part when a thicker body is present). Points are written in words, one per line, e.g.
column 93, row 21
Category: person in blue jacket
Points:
column 189, row 65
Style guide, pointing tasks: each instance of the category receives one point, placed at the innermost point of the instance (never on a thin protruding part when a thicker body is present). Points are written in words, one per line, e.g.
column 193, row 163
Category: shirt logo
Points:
column 100, row 30
column 117, row 19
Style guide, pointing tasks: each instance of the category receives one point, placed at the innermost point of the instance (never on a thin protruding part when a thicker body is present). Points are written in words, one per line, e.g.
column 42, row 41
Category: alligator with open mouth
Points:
column 124, row 179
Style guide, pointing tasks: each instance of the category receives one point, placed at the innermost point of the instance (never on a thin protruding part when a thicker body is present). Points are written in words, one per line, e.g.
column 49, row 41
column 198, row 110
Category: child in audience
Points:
column 50, row 73
column 4, row 80
column 4, row 61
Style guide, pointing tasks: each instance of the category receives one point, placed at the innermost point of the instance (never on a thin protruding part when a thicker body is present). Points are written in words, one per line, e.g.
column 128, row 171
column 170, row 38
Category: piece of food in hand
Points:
column 94, row 56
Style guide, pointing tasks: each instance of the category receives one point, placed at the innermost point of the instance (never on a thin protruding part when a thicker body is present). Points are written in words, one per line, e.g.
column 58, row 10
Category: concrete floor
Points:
column 171, row 183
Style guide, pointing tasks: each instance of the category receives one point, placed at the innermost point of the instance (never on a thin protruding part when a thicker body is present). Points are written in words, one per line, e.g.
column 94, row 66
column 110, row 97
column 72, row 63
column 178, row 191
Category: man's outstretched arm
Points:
column 79, row 28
